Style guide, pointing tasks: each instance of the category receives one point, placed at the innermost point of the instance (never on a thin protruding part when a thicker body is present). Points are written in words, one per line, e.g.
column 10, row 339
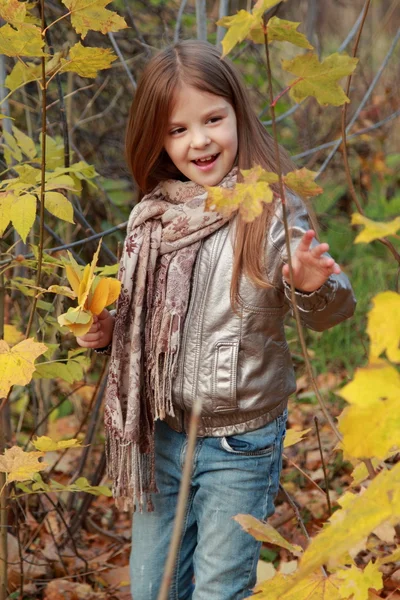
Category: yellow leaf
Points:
column 24, row 72
column 12, row 336
column 371, row 431
column 17, row 363
column 293, row 437
column 360, row 472
column 320, row 79
column 6, row 201
column 25, row 41
column 88, row 15
column 54, row 152
column 73, row 278
column 384, row 326
column 264, row 532
column 355, row 582
column 374, row 229
column 26, row 143
column 379, row 380
column 302, row 182
column 13, row 146
column 13, row 11
column 247, row 197
column 46, row 444
column 114, row 291
column 87, row 61
column 285, row 587
column 262, row 5
column 282, row 31
column 19, row 465
column 78, row 320
column 54, row 182
column 23, row 214
column 59, row 206
column 361, row 514
column 99, row 298
column 62, row 290
column 239, row 26
column 88, row 278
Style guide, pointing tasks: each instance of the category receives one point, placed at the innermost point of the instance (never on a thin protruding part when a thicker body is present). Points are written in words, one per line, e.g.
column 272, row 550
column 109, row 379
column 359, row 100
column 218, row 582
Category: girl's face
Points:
column 201, row 139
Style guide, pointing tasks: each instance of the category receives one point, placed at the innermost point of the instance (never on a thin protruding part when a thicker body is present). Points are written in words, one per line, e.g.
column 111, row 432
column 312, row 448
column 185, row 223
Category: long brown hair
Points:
column 198, row 64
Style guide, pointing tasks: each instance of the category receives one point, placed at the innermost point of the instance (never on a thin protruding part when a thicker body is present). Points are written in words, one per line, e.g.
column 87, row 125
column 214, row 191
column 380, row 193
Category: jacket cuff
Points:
column 313, row 301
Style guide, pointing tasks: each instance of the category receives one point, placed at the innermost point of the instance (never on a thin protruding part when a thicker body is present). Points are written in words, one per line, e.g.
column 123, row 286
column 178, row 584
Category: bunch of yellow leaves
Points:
column 94, row 293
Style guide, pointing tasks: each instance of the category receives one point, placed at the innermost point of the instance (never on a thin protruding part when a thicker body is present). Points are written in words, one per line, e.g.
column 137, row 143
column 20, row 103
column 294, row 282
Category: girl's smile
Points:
column 201, row 139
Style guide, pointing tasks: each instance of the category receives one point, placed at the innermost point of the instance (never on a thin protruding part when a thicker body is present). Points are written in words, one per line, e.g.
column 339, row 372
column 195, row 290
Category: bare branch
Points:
column 201, row 19
column 122, row 59
column 179, row 20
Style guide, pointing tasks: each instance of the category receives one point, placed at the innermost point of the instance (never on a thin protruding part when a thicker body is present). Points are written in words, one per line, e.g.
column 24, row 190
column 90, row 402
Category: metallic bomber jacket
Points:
column 240, row 363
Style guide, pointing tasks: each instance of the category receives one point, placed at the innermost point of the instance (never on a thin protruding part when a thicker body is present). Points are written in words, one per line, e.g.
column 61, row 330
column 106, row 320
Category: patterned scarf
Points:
column 163, row 237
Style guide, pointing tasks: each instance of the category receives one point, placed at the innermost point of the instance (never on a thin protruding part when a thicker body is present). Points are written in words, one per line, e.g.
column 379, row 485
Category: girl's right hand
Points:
column 100, row 333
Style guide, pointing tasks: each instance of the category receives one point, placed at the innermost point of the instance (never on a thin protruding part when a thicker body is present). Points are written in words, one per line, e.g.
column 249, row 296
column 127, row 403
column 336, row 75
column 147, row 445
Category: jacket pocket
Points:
column 224, row 376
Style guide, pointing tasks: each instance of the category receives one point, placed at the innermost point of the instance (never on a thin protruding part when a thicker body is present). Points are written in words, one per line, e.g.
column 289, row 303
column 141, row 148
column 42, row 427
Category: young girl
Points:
column 201, row 315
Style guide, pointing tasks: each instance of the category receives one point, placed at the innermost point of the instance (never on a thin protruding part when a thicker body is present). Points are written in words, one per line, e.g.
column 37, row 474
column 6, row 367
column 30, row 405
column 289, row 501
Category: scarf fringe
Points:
column 132, row 474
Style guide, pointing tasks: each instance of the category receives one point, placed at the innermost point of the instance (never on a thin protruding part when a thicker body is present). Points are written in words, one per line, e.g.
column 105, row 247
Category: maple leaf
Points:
column 376, row 381
column 25, row 41
column 86, row 61
column 264, row 532
column 320, row 79
column 17, row 363
column 89, row 15
column 374, row 229
column 46, row 444
column 293, row 437
column 13, row 11
column 301, row 181
column 24, row 72
column 246, row 197
column 354, row 583
column 282, row 31
column 11, row 335
column 384, row 326
column 19, row 465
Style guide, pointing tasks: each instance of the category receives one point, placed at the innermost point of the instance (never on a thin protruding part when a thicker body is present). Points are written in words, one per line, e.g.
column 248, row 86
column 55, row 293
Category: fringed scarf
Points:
column 164, row 234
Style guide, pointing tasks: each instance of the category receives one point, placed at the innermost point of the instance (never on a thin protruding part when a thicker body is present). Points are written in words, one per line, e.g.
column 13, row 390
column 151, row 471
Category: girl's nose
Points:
column 200, row 140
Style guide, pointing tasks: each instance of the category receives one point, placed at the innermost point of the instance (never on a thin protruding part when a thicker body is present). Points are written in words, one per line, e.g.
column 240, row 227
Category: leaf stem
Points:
column 287, row 239
column 283, row 92
column 323, row 467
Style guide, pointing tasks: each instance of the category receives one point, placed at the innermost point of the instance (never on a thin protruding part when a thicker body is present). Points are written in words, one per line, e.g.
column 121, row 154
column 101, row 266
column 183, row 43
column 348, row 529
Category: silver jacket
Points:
column 240, row 364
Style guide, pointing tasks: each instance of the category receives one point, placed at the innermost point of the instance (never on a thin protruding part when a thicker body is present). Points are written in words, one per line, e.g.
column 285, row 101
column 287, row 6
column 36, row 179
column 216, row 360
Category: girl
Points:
column 201, row 314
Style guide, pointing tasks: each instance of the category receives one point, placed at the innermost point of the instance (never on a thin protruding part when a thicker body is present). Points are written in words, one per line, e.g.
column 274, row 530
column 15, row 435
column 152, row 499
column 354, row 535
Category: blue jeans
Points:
column 231, row 475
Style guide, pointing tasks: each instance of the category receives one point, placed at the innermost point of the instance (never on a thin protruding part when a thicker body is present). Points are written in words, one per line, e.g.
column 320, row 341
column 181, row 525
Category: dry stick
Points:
column 179, row 20
column 182, row 501
column 323, row 467
column 349, row 178
column 295, row 510
column 3, row 496
column 43, row 179
column 296, row 466
column 287, row 239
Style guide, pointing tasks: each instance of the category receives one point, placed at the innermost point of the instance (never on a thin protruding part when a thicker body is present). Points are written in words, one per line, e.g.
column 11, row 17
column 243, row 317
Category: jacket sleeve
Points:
column 330, row 304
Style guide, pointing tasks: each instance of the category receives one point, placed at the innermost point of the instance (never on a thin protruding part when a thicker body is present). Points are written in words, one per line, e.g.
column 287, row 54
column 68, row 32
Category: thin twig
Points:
column 328, row 498
column 122, row 59
column 287, row 239
column 296, row 466
column 179, row 20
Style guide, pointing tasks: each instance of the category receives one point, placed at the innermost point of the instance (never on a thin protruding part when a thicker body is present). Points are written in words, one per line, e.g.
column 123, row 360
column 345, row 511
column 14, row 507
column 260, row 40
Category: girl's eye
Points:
column 215, row 119
column 179, row 130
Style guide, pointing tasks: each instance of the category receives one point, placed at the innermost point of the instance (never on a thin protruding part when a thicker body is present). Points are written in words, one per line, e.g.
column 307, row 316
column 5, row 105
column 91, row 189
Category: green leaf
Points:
column 320, row 79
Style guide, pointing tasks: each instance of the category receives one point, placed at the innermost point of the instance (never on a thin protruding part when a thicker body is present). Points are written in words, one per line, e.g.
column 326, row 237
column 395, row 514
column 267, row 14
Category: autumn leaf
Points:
column 25, row 41
column 59, row 206
column 86, row 61
column 88, row 15
column 23, row 214
column 285, row 587
column 11, row 335
column 379, row 380
column 25, row 143
column 384, row 326
column 319, row 79
column 24, row 72
column 17, row 363
column 46, row 444
column 281, row 31
column 374, row 229
column 6, row 200
column 264, row 532
column 13, row 11
column 354, row 583
column 293, row 437
column 94, row 293
column 19, row 465
column 302, row 182
column 246, row 197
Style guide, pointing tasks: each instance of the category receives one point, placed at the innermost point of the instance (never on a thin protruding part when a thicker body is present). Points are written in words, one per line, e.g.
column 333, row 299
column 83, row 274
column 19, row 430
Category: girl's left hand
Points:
column 310, row 268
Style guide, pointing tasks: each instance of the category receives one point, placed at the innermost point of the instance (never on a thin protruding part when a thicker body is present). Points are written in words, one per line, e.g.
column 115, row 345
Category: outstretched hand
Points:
column 310, row 268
